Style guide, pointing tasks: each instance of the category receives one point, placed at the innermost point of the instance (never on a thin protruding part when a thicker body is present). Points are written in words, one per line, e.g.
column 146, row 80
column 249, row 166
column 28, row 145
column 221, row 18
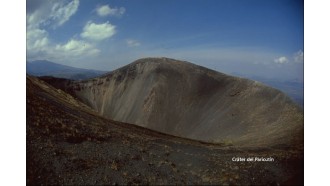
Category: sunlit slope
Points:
column 187, row 100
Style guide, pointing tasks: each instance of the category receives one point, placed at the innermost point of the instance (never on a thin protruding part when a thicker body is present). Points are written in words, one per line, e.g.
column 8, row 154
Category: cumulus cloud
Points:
column 44, row 15
column 77, row 48
column 52, row 14
column 37, row 43
column 71, row 50
column 36, row 39
column 97, row 32
column 61, row 13
column 281, row 60
column 132, row 43
column 106, row 10
column 298, row 57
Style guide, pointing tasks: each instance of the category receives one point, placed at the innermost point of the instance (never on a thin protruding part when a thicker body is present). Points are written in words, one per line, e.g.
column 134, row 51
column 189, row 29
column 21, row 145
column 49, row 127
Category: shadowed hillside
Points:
column 191, row 101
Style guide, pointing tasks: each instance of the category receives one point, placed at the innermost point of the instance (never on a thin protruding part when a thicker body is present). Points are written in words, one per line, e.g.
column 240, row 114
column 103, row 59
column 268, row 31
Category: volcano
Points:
column 186, row 100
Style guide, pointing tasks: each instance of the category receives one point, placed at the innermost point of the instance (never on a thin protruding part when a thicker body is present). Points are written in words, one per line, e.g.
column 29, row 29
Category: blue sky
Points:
column 254, row 38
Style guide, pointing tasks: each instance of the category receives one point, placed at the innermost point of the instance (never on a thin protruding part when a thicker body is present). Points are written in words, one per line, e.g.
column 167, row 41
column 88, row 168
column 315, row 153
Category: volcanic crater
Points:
column 186, row 100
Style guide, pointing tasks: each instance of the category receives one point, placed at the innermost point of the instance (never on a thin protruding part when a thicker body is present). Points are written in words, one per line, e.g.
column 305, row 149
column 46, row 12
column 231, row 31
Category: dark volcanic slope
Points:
column 69, row 144
column 187, row 100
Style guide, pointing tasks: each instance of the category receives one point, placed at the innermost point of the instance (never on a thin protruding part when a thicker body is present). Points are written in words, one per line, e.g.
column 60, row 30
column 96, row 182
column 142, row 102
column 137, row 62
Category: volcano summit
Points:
column 187, row 100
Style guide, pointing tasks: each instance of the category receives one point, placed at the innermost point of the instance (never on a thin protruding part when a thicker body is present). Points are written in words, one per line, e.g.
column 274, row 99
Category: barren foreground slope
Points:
column 186, row 100
column 68, row 143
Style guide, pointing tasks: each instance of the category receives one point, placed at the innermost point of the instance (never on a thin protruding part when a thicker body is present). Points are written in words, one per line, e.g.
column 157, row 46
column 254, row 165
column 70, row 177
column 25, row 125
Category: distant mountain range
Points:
column 293, row 88
column 47, row 68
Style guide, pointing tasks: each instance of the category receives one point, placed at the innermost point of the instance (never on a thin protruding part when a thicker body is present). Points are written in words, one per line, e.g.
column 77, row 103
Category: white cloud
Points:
column 77, row 48
column 281, row 60
column 37, row 42
column 106, row 10
column 98, row 32
column 132, row 43
column 61, row 13
column 37, row 39
column 52, row 14
column 42, row 15
column 71, row 50
column 298, row 57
